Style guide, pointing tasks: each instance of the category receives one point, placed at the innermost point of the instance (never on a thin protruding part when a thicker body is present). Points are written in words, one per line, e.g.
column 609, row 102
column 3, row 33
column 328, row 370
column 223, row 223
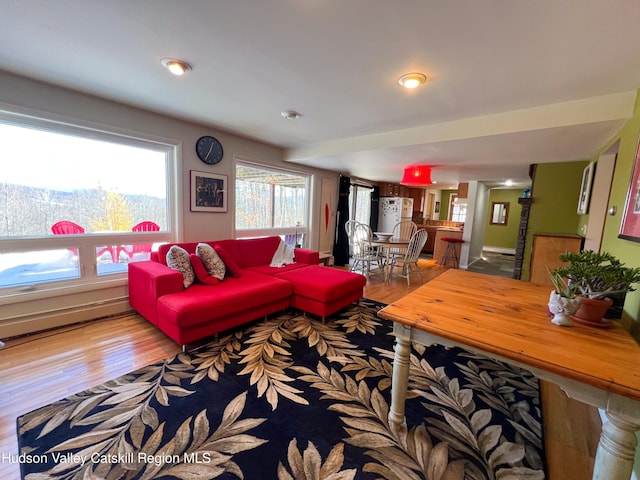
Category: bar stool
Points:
column 451, row 253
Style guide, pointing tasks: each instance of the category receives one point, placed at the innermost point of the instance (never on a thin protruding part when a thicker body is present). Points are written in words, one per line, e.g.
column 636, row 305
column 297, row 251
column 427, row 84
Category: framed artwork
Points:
column 630, row 226
column 208, row 192
column 437, row 208
column 585, row 188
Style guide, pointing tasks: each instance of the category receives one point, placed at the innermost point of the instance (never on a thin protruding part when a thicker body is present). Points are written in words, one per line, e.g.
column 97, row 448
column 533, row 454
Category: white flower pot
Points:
column 562, row 308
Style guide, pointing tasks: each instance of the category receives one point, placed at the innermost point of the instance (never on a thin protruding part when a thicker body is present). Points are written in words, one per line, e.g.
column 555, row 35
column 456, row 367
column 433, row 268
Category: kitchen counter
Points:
column 432, row 226
column 440, row 246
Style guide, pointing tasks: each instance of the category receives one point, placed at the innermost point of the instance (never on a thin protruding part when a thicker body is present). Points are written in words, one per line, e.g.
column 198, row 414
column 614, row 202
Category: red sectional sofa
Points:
column 251, row 289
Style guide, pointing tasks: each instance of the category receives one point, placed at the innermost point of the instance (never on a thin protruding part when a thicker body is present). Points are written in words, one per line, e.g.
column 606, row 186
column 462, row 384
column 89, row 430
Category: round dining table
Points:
column 388, row 245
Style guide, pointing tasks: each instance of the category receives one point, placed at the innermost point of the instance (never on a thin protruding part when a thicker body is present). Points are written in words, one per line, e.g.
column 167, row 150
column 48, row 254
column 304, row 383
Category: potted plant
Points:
column 595, row 276
column 563, row 301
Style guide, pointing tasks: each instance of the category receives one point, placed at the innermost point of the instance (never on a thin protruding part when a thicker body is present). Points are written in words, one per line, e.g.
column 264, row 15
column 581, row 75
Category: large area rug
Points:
column 292, row 397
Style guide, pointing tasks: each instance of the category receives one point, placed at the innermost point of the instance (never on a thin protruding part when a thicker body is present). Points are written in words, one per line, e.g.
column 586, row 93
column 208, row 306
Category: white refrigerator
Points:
column 393, row 210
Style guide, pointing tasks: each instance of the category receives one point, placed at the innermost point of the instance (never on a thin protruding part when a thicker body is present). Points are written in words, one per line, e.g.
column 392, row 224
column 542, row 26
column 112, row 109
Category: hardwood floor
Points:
column 38, row 369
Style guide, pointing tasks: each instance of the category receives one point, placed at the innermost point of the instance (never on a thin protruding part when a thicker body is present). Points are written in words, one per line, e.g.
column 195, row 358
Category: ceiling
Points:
column 511, row 82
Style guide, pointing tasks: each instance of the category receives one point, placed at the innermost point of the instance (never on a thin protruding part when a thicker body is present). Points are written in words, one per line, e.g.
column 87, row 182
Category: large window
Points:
column 457, row 211
column 76, row 204
column 360, row 203
column 270, row 201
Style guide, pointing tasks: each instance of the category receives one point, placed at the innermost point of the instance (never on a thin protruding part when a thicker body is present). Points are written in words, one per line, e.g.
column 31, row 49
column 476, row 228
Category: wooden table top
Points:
column 391, row 242
column 509, row 318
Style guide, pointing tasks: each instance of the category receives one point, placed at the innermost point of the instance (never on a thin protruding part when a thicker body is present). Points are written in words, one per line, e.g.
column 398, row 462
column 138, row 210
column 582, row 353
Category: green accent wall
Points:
column 554, row 206
column 627, row 251
column 503, row 236
column 445, row 200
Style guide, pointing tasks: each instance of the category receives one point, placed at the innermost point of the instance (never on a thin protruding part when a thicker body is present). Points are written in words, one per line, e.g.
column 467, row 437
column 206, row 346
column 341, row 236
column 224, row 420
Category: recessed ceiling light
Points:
column 290, row 114
column 412, row 80
column 175, row 66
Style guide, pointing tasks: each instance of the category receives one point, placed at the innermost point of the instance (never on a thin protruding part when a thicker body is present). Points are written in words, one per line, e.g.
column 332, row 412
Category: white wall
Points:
column 44, row 100
column 474, row 226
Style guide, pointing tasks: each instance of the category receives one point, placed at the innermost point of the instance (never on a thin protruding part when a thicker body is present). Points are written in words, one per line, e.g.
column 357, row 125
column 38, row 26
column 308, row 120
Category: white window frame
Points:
column 280, row 231
column 87, row 243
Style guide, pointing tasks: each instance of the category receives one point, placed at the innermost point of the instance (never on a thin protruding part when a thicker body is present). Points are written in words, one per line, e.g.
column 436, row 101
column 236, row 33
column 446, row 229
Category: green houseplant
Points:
column 595, row 277
column 563, row 301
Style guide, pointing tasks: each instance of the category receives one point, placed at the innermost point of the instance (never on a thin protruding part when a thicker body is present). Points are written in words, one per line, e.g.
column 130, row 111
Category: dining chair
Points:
column 403, row 231
column 411, row 256
column 364, row 255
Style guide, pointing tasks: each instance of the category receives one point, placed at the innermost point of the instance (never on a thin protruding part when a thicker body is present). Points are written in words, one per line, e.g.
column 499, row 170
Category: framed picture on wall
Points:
column 585, row 188
column 437, row 208
column 630, row 226
column 208, row 192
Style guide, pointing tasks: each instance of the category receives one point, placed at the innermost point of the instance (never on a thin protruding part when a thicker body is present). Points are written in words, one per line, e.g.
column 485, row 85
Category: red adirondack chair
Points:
column 140, row 248
column 66, row 227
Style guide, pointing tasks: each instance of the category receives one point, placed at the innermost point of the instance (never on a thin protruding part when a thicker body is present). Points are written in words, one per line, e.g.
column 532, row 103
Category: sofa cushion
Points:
column 211, row 260
column 201, row 273
column 231, row 248
column 232, row 267
column 204, row 303
column 268, row 270
column 257, row 251
column 324, row 284
column 178, row 259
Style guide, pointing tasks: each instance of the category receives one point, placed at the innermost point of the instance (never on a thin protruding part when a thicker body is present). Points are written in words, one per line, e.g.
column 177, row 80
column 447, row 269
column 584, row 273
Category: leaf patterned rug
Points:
column 290, row 398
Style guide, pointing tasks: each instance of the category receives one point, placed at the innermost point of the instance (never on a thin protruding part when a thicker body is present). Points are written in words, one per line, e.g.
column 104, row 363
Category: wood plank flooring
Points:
column 38, row 369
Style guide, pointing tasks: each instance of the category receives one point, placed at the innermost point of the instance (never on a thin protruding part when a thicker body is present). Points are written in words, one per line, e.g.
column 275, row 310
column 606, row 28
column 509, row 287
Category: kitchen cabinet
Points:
column 463, row 190
column 431, row 240
column 389, row 190
column 418, row 199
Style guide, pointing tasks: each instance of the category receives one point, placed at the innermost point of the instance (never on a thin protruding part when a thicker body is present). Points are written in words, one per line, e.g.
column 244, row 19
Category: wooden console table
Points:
column 506, row 320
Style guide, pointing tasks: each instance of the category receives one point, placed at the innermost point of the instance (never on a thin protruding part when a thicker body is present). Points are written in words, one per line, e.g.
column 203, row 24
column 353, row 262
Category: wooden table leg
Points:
column 616, row 450
column 400, row 380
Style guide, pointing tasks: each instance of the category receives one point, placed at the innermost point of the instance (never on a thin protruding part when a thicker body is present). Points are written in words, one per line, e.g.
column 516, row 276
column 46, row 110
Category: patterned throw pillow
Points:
column 211, row 260
column 178, row 259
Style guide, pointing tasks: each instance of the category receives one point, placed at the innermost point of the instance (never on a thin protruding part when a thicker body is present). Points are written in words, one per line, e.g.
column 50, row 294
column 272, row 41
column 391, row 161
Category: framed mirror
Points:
column 499, row 213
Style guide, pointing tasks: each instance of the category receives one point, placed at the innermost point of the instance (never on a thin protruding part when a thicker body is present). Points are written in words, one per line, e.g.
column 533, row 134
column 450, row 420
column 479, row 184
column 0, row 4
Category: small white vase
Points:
column 562, row 308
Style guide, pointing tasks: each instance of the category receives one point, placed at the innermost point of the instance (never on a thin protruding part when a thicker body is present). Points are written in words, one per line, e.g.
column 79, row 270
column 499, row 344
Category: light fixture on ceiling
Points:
column 175, row 66
column 417, row 176
column 290, row 114
column 412, row 80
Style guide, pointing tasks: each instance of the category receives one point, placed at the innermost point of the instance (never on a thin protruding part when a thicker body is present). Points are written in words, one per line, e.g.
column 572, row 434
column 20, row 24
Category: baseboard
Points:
column 13, row 327
column 506, row 251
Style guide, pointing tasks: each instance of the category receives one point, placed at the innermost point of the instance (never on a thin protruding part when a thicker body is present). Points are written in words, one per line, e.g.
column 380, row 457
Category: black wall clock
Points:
column 209, row 150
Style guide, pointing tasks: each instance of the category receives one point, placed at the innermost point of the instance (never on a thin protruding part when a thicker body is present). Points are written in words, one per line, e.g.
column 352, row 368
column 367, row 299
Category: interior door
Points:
column 599, row 203
column 328, row 206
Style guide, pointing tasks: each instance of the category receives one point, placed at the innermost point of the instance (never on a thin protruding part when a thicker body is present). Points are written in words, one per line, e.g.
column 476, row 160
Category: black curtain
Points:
column 341, row 246
column 375, row 204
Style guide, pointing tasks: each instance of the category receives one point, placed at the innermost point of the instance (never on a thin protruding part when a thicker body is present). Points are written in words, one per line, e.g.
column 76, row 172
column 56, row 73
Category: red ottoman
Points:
column 323, row 290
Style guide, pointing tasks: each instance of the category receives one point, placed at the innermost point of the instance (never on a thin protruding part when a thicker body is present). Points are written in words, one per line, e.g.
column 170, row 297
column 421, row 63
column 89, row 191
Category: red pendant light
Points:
column 417, row 176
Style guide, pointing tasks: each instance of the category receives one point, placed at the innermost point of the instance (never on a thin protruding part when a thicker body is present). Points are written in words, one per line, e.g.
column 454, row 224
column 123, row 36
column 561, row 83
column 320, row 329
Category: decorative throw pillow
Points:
column 178, row 259
column 232, row 267
column 211, row 260
column 201, row 273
